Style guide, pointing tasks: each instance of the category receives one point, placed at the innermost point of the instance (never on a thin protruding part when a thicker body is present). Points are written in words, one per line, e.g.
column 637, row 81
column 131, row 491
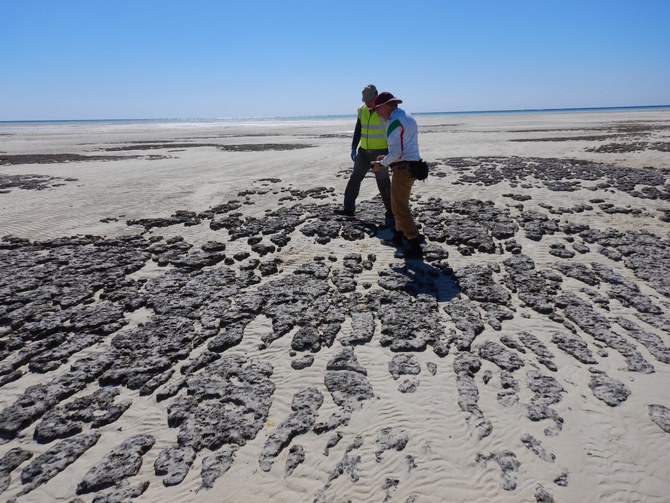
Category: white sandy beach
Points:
column 583, row 449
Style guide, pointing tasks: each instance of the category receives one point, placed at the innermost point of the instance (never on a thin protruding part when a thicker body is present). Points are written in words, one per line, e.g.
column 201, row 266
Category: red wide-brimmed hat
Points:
column 385, row 98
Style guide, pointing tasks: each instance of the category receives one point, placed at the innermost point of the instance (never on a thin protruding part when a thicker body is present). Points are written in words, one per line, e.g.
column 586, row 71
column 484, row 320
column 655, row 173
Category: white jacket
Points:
column 402, row 137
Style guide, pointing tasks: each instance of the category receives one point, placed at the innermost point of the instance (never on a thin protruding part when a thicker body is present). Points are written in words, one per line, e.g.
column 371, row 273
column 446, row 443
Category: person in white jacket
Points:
column 403, row 145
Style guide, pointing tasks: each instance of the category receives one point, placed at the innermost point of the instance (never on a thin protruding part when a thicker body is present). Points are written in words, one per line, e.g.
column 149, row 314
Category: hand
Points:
column 376, row 166
column 353, row 154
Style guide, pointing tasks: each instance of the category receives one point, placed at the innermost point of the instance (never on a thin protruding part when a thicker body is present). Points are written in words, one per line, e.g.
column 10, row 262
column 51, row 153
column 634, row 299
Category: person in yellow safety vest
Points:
column 370, row 131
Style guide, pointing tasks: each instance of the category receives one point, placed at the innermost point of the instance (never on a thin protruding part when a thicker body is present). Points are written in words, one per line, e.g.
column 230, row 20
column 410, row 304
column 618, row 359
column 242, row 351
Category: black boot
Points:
column 344, row 212
column 396, row 240
column 389, row 220
column 413, row 249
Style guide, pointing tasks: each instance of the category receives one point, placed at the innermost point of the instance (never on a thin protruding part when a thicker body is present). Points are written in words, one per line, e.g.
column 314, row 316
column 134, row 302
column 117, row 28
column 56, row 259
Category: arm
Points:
column 394, row 138
column 357, row 135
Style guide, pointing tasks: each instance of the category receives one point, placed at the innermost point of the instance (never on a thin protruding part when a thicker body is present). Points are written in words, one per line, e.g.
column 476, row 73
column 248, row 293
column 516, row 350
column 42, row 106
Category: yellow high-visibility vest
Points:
column 373, row 129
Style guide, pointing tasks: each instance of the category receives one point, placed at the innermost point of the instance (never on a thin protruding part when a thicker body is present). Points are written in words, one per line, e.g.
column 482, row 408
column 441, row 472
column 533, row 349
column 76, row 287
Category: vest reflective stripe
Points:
column 373, row 130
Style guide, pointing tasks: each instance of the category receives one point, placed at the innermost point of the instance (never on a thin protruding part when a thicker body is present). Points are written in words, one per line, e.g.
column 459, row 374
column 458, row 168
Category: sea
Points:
column 266, row 121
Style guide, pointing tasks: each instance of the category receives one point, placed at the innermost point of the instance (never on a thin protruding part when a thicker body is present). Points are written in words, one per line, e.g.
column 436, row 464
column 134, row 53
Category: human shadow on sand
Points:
column 420, row 276
column 415, row 277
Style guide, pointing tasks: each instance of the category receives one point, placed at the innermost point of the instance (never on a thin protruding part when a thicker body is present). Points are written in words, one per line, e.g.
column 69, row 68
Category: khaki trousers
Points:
column 401, row 186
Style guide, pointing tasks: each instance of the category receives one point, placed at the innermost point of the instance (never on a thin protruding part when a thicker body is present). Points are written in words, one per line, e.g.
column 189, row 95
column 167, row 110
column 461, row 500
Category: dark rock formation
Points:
column 497, row 354
column 559, row 174
column 302, row 362
column 477, row 283
column 227, row 402
column 62, row 296
column 296, row 456
column 408, row 385
column 544, row 356
column 535, row 289
column 661, row 416
column 542, row 495
column 548, row 391
column 536, row 446
column 510, row 389
column 508, row 464
column 38, row 399
column 347, row 465
column 174, row 462
column 537, row 224
column 408, row 323
column 573, row 345
column 559, row 250
column 98, row 409
column 305, row 406
column 651, row 341
column 348, row 388
column 362, row 328
column 121, row 492
column 611, row 391
column 511, row 343
column 467, row 319
column 332, row 442
column 496, row 314
column 466, row 365
column 578, row 271
column 346, row 360
column 49, row 464
column 121, row 463
column 583, row 314
column 471, row 224
column 12, row 459
column 403, row 364
column 217, row 464
column 388, row 439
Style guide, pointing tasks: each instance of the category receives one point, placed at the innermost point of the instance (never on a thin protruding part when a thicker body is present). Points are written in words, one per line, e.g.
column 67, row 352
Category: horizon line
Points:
column 326, row 116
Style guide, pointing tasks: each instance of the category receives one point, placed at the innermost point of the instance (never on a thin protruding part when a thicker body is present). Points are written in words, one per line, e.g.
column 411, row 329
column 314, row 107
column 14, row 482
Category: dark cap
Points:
column 385, row 98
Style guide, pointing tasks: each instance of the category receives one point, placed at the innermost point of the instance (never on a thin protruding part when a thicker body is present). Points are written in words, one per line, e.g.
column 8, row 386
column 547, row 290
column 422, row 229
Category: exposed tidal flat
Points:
column 183, row 317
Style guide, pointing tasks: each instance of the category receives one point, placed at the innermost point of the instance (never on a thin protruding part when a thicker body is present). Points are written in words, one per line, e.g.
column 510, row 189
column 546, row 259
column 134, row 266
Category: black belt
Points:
column 399, row 165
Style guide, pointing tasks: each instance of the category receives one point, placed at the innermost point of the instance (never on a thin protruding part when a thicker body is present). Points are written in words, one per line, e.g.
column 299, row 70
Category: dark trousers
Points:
column 361, row 168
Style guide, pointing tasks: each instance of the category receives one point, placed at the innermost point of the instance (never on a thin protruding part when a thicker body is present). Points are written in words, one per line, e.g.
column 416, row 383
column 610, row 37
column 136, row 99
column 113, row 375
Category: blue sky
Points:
column 95, row 59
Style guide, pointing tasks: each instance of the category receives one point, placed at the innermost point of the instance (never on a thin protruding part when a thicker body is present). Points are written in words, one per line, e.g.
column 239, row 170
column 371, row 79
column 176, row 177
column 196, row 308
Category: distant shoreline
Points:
column 330, row 117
